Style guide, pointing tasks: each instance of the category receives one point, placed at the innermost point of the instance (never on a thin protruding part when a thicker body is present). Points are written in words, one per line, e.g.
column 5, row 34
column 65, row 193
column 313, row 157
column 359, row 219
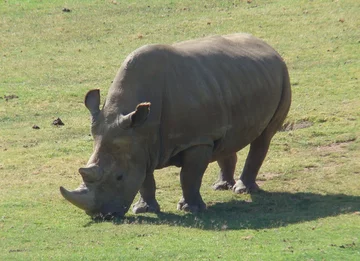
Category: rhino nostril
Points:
column 120, row 177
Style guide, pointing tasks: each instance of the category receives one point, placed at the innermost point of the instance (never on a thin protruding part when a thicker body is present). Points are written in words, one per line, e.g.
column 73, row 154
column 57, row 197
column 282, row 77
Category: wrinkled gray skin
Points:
column 186, row 105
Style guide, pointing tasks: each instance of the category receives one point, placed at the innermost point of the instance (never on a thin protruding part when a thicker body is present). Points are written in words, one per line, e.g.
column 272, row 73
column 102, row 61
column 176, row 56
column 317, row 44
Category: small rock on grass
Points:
column 10, row 97
column 58, row 122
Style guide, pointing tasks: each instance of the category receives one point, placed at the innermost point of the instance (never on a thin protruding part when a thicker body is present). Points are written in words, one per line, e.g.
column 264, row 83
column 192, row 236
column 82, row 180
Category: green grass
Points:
column 310, row 207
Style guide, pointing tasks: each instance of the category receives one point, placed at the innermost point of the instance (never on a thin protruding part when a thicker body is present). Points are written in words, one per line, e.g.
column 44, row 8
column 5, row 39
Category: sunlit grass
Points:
column 311, row 177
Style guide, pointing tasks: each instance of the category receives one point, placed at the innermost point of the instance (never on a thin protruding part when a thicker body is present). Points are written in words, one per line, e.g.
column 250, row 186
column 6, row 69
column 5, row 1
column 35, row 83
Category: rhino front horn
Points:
column 81, row 197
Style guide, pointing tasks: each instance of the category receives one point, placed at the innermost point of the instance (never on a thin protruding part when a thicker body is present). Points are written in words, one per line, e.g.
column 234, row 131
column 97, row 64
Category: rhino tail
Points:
column 284, row 105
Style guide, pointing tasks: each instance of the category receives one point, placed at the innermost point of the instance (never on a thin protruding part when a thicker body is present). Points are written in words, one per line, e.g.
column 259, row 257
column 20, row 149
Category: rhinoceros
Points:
column 185, row 105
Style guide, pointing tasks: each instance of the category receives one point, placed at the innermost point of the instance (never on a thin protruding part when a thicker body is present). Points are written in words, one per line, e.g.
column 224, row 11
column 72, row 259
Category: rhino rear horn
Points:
column 90, row 174
column 92, row 101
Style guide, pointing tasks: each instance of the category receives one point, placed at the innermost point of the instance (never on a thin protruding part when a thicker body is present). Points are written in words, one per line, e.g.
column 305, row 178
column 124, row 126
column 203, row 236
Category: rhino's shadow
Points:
column 267, row 210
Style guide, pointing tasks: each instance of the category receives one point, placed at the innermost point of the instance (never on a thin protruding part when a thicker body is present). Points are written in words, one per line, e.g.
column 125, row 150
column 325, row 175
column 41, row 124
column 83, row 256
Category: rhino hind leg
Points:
column 260, row 146
column 226, row 176
column 147, row 201
column 258, row 150
column 194, row 163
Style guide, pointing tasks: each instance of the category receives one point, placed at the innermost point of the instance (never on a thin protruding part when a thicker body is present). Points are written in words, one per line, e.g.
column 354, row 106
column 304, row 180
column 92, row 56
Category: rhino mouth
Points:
column 110, row 216
column 108, row 212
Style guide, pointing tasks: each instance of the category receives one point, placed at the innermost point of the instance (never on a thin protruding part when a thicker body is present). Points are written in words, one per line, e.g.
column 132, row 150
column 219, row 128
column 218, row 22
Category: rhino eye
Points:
column 118, row 178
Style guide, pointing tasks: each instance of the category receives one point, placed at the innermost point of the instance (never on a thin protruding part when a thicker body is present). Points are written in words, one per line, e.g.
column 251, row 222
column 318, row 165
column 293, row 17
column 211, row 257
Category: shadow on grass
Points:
column 267, row 210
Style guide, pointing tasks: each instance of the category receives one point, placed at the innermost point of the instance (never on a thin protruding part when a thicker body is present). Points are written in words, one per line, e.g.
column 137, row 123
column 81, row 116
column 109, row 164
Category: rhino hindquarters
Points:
column 260, row 146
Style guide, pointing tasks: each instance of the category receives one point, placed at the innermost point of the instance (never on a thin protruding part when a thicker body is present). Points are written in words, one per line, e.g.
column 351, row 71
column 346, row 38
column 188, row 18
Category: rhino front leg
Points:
column 226, row 177
column 147, row 201
column 194, row 163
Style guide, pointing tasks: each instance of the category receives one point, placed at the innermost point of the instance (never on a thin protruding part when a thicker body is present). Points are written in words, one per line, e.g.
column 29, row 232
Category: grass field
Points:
column 49, row 59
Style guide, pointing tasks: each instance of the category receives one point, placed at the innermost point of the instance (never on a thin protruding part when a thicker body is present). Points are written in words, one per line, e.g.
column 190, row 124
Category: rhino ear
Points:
column 140, row 115
column 137, row 117
column 92, row 101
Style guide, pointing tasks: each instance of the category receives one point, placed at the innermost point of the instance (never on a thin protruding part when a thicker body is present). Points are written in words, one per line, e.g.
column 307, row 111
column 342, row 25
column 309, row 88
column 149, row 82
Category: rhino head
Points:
column 117, row 167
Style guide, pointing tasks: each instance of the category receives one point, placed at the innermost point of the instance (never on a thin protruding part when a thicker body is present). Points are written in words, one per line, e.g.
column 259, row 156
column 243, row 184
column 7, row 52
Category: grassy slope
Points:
column 49, row 58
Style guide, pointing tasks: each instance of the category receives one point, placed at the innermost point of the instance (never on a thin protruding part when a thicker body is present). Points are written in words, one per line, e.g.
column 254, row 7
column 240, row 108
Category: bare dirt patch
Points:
column 267, row 176
column 335, row 147
column 291, row 126
column 10, row 97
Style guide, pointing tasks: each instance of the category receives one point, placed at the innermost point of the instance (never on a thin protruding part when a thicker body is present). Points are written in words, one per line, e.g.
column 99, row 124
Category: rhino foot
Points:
column 240, row 188
column 223, row 185
column 142, row 206
column 193, row 208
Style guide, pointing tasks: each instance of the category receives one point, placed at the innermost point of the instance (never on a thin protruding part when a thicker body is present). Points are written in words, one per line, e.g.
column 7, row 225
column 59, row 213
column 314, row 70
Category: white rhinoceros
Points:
column 187, row 105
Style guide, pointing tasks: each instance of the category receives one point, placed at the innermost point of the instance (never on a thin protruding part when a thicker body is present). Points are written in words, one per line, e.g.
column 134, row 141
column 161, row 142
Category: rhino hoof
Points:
column 223, row 185
column 182, row 205
column 142, row 207
column 240, row 188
